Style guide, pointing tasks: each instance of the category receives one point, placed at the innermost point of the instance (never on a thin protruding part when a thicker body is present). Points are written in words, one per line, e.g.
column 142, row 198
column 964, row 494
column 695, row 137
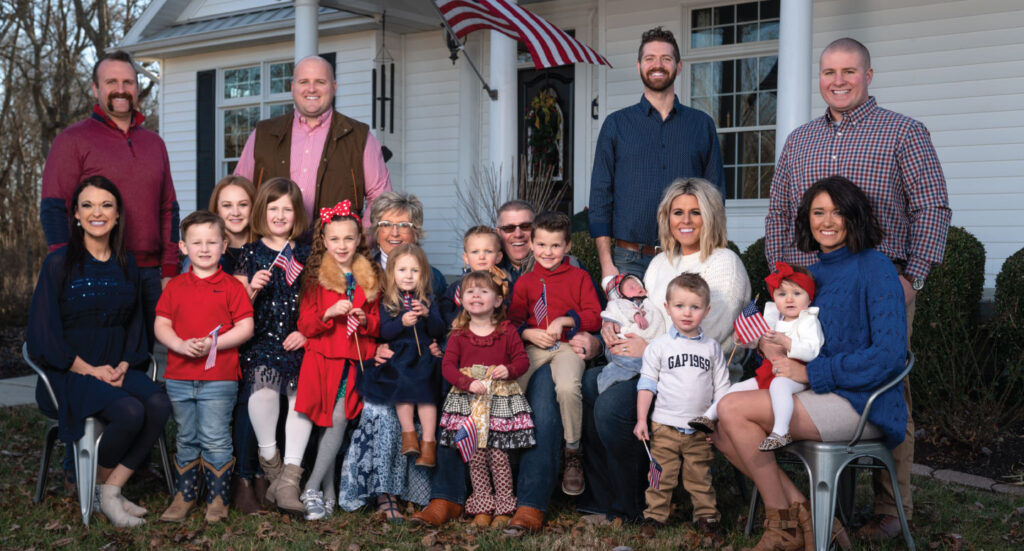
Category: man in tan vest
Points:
column 330, row 156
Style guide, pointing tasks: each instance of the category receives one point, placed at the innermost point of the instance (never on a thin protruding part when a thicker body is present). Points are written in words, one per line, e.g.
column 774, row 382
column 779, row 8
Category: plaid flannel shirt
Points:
column 891, row 157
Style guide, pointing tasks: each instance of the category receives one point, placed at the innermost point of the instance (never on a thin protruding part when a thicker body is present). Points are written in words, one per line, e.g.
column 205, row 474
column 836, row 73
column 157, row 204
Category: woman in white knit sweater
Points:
column 692, row 230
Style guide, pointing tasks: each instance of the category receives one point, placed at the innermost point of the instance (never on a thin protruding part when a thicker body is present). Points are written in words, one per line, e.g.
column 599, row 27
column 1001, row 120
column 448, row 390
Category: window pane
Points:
column 701, row 18
column 751, row 181
column 749, row 75
column 730, row 183
column 746, row 12
column 747, row 33
column 766, row 108
column 767, row 147
column 280, row 78
column 724, row 15
column 767, row 172
column 734, row 24
column 242, row 83
column 702, row 79
column 280, row 109
column 726, row 112
column 747, row 104
column 238, row 124
column 769, row 9
column 770, row 30
column 728, row 83
column 728, row 144
column 702, row 104
column 747, row 147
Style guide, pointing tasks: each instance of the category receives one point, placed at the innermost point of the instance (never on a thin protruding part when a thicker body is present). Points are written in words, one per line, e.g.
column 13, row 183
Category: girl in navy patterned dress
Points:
column 271, row 360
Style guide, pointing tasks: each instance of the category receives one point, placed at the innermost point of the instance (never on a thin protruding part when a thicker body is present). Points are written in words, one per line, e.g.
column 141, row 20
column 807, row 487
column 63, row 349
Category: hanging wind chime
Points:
column 385, row 100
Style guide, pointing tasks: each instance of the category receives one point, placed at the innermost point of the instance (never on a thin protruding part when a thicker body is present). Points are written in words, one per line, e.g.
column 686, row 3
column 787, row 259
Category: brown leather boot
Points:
column 410, row 443
column 428, row 454
column 781, row 532
column 259, row 487
column 436, row 513
column 526, row 519
column 482, row 521
column 186, row 491
column 286, row 493
column 243, row 496
column 572, row 477
column 802, row 509
column 272, row 468
column 218, row 488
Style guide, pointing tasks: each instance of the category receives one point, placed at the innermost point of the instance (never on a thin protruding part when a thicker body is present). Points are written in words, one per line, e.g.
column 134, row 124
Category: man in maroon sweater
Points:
column 112, row 143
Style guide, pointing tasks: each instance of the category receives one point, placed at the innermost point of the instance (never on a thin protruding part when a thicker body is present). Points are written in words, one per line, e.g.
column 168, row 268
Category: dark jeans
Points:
column 243, row 436
column 631, row 262
column 149, row 278
column 538, row 466
column 614, row 463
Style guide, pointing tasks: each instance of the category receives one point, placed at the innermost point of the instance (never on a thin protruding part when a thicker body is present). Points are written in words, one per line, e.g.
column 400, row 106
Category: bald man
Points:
column 330, row 156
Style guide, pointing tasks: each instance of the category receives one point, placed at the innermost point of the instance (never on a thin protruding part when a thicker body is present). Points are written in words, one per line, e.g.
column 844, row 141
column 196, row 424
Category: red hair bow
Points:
column 785, row 271
column 343, row 208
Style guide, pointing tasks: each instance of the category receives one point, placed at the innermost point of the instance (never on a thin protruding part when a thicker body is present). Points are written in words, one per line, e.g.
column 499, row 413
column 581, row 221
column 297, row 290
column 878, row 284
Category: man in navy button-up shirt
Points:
column 640, row 151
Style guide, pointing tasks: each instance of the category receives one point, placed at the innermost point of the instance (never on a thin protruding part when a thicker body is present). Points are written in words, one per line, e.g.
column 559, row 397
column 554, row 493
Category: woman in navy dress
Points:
column 86, row 329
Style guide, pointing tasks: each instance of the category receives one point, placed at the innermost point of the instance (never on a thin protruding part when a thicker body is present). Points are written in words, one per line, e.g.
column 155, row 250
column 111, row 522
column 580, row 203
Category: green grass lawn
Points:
column 947, row 517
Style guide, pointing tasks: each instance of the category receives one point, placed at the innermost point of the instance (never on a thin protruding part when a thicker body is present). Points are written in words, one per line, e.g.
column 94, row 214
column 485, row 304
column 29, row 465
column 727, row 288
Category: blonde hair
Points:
column 712, row 213
column 272, row 190
column 228, row 181
column 479, row 278
column 392, row 299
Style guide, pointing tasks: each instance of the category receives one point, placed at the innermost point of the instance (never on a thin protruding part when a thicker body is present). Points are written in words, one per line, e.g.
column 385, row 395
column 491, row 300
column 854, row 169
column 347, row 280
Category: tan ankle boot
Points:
column 428, row 454
column 272, row 469
column 410, row 443
column 286, row 492
column 186, row 491
column 218, row 488
column 802, row 510
column 781, row 532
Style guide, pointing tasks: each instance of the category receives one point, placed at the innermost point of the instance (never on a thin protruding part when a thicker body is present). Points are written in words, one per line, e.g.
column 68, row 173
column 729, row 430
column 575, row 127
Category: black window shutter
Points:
column 206, row 136
column 331, row 58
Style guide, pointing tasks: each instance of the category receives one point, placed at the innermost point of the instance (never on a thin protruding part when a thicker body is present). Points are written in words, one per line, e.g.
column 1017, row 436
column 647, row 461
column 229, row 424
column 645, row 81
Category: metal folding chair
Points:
column 84, row 450
column 827, row 461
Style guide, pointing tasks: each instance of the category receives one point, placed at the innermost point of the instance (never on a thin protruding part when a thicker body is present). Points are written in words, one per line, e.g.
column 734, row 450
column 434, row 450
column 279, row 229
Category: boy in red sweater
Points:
column 550, row 304
column 202, row 317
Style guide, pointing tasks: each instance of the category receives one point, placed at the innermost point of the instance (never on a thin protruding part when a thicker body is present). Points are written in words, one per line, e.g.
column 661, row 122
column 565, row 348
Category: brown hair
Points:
column 847, row 44
column 553, row 221
column 862, row 228
column 311, row 273
column 658, row 34
column 203, row 217
column 483, row 279
column 690, row 282
column 116, row 55
column 272, row 190
column 227, row 181
column 392, row 299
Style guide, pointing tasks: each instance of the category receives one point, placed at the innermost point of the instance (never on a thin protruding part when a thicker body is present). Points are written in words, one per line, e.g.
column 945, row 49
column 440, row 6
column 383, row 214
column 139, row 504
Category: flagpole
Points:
column 493, row 94
column 358, row 353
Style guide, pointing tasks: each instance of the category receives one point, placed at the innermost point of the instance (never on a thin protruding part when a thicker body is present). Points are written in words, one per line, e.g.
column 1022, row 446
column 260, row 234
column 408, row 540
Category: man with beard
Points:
column 640, row 151
column 112, row 143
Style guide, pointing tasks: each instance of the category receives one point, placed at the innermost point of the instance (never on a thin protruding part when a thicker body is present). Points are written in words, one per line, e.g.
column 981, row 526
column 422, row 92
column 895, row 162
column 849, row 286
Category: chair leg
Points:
column 86, row 461
column 823, row 502
column 44, row 462
column 891, row 467
column 168, row 474
column 754, row 497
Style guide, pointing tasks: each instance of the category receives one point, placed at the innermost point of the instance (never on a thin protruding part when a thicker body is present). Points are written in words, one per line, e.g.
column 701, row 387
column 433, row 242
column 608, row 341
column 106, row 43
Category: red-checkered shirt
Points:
column 891, row 157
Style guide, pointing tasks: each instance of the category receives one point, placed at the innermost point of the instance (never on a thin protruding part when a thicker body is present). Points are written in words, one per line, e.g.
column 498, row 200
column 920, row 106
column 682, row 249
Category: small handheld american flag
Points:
column 407, row 301
column 750, row 325
column 287, row 262
column 540, row 309
column 458, row 296
column 465, row 439
column 350, row 291
column 654, row 475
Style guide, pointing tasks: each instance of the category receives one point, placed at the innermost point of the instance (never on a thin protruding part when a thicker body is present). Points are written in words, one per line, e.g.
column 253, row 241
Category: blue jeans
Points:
column 538, row 466
column 149, row 279
column 631, row 262
column 614, row 464
column 243, row 436
column 202, row 410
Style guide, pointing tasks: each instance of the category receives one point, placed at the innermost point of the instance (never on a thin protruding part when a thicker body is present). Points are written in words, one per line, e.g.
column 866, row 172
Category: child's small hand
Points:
column 205, row 344
column 259, row 280
column 339, row 308
column 476, row 387
column 359, row 314
column 539, row 337
column 778, row 339
column 419, row 308
column 191, row 348
column 435, row 349
column 640, row 430
column 409, row 318
column 500, row 372
column 293, row 341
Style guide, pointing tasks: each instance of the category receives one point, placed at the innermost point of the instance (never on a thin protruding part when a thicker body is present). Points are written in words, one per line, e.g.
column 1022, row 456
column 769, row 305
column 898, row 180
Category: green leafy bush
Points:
column 1009, row 300
column 584, row 249
column 757, row 269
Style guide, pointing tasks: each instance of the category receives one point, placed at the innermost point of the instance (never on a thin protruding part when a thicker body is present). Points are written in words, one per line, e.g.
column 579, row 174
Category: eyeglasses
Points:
column 403, row 227
column 509, row 228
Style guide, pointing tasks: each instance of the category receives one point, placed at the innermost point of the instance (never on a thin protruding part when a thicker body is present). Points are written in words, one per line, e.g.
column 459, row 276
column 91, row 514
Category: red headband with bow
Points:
column 343, row 208
column 785, row 271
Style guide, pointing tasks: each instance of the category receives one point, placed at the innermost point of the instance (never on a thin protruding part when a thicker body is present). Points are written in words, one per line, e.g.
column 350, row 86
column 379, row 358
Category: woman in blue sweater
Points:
column 864, row 319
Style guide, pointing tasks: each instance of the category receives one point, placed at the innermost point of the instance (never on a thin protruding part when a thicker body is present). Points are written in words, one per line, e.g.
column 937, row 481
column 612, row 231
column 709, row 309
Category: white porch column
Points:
column 794, row 100
column 306, row 28
column 502, row 131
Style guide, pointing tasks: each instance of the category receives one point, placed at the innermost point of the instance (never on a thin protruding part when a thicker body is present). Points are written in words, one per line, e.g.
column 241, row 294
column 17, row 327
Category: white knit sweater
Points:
column 727, row 278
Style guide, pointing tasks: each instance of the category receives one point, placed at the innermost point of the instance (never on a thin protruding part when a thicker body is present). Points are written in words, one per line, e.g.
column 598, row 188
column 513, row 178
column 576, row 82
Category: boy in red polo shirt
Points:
column 202, row 317
column 550, row 304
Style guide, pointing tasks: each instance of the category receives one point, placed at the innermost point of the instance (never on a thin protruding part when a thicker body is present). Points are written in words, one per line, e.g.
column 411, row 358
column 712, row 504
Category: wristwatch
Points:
column 915, row 283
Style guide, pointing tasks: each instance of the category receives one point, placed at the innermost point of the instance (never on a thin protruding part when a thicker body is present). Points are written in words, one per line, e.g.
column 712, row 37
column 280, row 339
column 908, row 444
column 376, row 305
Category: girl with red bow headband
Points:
column 795, row 332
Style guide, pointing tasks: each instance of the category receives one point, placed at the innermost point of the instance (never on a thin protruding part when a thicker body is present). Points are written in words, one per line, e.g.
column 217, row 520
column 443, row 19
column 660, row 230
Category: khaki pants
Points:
column 567, row 374
column 885, row 500
column 690, row 453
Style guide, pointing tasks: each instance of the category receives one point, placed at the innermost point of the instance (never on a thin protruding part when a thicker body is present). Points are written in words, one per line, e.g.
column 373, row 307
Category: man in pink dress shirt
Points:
column 330, row 156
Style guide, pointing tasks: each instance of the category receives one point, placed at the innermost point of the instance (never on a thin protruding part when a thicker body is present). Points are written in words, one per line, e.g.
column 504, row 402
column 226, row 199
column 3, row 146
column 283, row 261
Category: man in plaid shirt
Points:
column 891, row 157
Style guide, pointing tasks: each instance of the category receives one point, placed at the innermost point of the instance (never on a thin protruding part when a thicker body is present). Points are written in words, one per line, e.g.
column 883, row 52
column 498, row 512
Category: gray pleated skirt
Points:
column 834, row 417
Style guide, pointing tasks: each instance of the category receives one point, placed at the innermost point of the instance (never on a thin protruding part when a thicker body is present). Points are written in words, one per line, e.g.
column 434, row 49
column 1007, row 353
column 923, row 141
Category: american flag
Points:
column 750, row 325
column 549, row 45
column 654, row 474
column 287, row 262
column 458, row 298
column 407, row 301
column 465, row 439
column 540, row 309
column 350, row 292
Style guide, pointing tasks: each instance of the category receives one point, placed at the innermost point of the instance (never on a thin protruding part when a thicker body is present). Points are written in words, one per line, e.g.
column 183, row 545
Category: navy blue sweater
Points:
column 864, row 317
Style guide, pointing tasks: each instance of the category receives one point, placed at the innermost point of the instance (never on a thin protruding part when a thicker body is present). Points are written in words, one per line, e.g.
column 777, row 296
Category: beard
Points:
column 115, row 95
column 665, row 84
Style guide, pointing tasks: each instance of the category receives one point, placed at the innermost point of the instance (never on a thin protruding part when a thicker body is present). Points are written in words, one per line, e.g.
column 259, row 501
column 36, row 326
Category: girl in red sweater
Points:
column 339, row 318
column 483, row 359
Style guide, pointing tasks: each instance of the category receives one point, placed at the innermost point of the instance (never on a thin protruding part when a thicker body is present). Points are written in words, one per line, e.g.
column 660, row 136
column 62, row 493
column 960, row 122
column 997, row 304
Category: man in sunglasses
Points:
column 515, row 226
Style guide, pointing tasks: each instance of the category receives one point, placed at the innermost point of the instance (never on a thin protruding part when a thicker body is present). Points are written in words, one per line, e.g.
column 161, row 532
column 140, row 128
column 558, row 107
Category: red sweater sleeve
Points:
column 518, row 362
column 450, row 363
column 168, row 221
column 590, row 306
column 60, row 176
column 311, row 314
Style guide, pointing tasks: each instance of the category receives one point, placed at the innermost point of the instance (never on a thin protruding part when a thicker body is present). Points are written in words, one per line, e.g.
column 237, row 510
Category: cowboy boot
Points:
column 218, row 487
column 186, row 491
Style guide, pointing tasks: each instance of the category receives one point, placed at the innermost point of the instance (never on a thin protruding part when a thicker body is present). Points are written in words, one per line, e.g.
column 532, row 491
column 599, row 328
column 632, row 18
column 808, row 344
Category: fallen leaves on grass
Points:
column 951, row 542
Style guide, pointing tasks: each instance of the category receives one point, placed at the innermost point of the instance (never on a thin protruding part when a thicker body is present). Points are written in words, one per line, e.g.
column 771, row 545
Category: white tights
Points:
column 264, row 409
column 781, row 390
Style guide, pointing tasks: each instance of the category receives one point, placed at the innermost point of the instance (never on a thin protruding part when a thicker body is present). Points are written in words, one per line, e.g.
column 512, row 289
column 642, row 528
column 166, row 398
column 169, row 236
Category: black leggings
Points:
column 132, row 427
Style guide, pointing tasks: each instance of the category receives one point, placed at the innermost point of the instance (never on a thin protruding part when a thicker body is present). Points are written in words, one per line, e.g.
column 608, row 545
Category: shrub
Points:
column 757, row 269
column 1009, row 300
column 584, row 249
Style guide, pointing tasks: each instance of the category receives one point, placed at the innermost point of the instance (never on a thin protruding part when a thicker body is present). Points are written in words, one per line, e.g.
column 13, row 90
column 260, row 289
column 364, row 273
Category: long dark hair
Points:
column 311, row 273
column 76, row 253
column 862, row 228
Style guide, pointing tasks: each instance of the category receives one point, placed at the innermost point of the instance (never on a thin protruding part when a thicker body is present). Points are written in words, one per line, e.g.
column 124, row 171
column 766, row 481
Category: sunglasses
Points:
column 509, row 228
